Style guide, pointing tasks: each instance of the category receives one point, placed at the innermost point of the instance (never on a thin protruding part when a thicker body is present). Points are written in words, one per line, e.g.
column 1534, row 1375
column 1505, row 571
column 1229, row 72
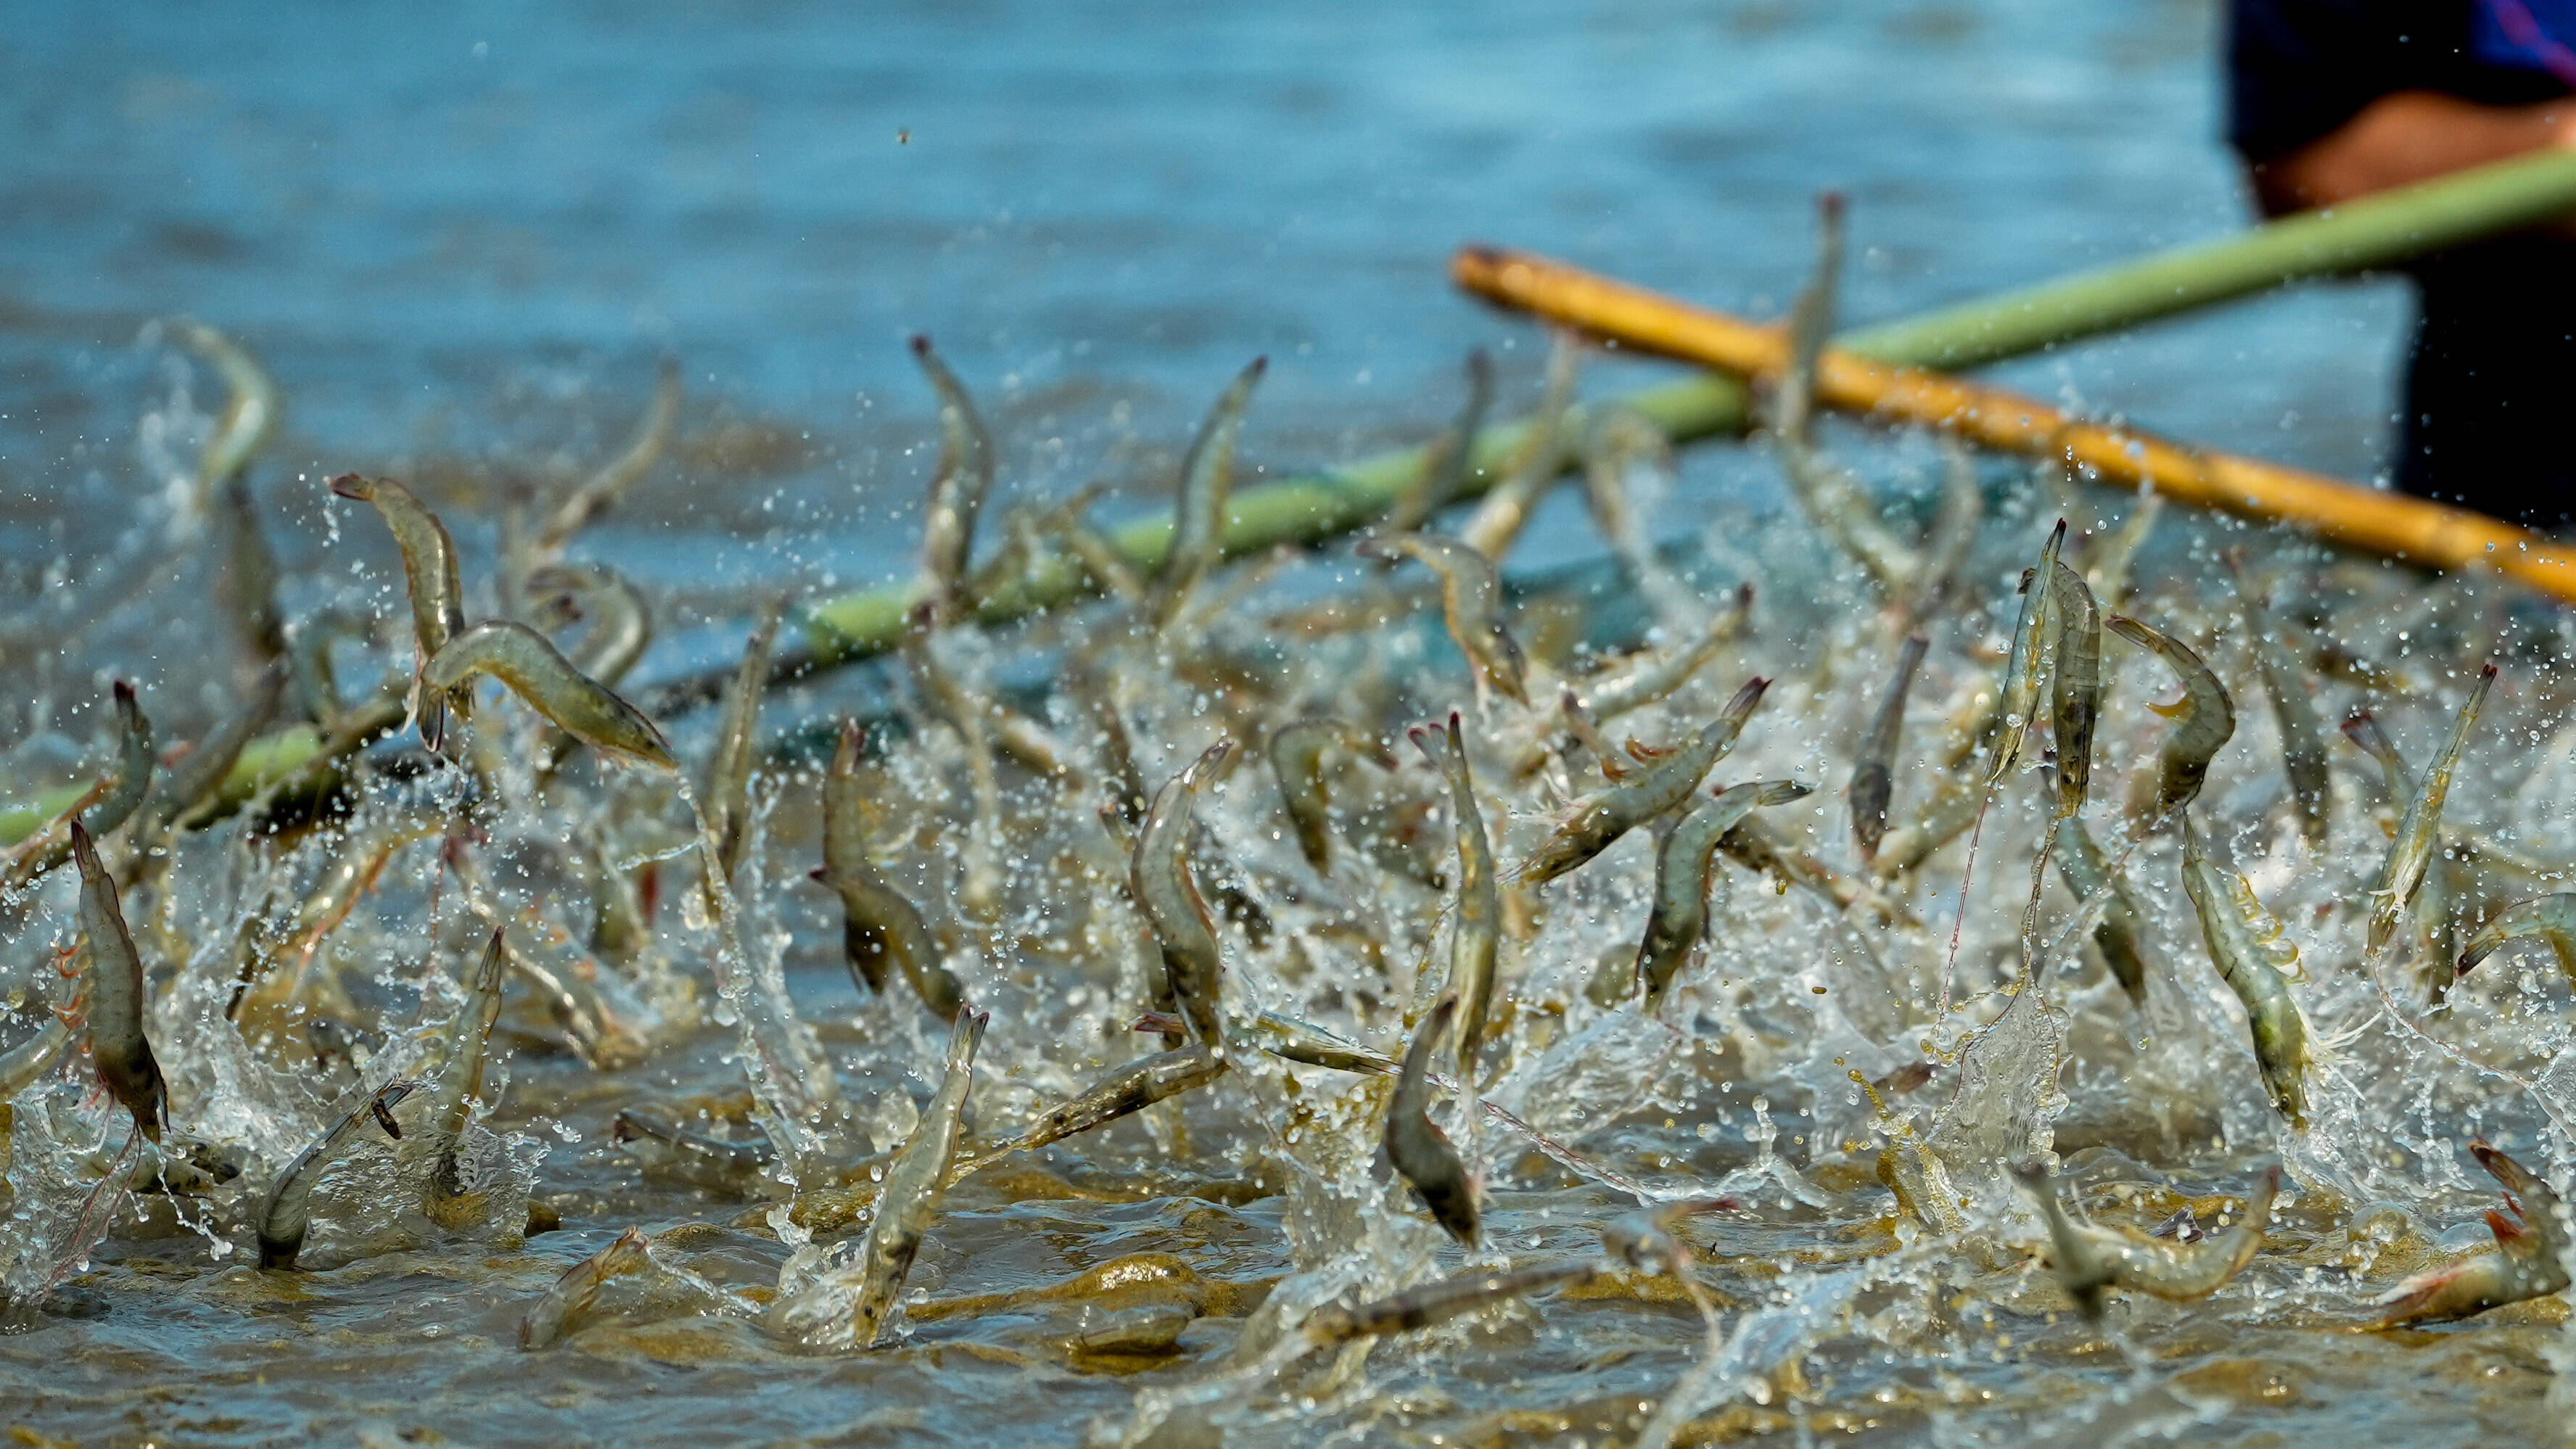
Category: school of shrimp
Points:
column 2020, row 966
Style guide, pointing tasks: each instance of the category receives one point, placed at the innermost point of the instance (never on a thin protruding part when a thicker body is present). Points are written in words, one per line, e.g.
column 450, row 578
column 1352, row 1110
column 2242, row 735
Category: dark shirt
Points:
column 2491, row 380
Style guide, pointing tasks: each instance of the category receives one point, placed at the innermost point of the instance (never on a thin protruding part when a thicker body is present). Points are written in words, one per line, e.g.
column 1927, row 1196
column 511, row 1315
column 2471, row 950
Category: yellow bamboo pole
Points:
column 2417, row 530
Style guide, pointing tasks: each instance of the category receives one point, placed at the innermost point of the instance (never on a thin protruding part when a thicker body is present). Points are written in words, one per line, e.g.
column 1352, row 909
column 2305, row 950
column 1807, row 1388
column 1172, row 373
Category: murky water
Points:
column 461, row 244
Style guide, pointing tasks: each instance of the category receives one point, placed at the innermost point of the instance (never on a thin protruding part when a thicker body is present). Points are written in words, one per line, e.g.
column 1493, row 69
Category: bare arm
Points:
column 2405, row 137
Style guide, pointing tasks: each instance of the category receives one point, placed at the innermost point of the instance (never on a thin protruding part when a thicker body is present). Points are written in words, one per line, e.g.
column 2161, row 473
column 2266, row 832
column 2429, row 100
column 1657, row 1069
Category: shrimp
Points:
column 1647, row 1239
column 1096, row 697
column 1536, row 464
column 1478, row 931
column 1207, row 478
column 1417, row 1146
column 437, row 588
column 1297, row 1041
column 2088, row 1259
column 2246, row 946
column 2530, row 1260
column 1953, row 537
column 602, row 490
column 1873, row 781
column 1297, row 752
column 2303, row 735
column 2402, row 874
column 574, row 1292
column 1751, row 845
column 1654, row 679
column 2108, row 578
column 2023, row 673
column 621, row 627
column 1131, row 1088
column 1101, row 559
column 2122, row 930
column 1952, row 811
column 1605, row 815
column 1069, row 525
column 880, row 923
column 1008, row 571
column 247, row 584
column 449, row 1197
column 353, row 872
column 2204, row 721
column 1471, row 595
column 1451, row 457
column 2075, row 686
column 1831, row 499
column 1912, row 1172
column 957, row 489
column 691, row 1157
column 316, row 678
column 907, row 1204
column 1660, row 676
column 252, row 405
column 2362, row 728
column 1303, row 1042
column 2550, row 918
column 134, row 765
column 1587, row 733
column 1437, row 1302
column 1682, row 866
column 965, row 710
column 598, row 1020
column 1618, row 443
column 117, row 1044
column 537, row 672
column 1168, row 894
column 729, row 764
column 103, row 807
column 288, row 1213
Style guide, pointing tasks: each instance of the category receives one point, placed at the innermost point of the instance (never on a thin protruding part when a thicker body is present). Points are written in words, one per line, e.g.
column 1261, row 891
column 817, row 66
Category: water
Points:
column 461, row 241
column 462, row 237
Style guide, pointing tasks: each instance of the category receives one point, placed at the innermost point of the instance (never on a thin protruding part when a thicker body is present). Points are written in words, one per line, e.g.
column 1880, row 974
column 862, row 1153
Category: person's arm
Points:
column 2406, row 137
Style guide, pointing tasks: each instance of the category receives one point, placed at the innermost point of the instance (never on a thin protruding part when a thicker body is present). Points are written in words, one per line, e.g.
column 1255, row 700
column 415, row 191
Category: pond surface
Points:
column 462, row 240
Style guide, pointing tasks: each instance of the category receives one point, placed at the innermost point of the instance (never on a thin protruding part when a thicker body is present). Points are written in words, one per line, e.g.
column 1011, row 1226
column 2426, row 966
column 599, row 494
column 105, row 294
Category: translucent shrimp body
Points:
column 1605, row 815
column 537, row 672
column 2203, row 722
column 2246, row 946
column 1682, row 866
column 849, row 1306
column 880, row 924
column 2087, row 1259
column 1417, row 1146
column 117, row 1044
column 1478, row 931
column 1873, row 781
column 2402, row 875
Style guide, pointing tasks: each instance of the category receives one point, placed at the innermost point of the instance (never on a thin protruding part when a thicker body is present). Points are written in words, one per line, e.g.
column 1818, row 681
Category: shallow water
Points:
column 461, row 242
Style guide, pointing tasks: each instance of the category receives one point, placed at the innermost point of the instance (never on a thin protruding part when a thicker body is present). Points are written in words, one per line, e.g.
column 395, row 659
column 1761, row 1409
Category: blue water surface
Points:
column 467, row 231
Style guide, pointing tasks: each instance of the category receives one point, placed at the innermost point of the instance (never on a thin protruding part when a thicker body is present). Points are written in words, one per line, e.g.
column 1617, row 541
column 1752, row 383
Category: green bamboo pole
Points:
column 1308, row 508
column 1302, row 509
column 263, row 760
column 2375, row 232
column 1305, row 508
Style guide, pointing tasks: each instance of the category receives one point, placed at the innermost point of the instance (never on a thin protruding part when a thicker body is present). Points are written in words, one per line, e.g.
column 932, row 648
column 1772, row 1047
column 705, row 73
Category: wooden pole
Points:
column 2417, row 530
column 2375, row 231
